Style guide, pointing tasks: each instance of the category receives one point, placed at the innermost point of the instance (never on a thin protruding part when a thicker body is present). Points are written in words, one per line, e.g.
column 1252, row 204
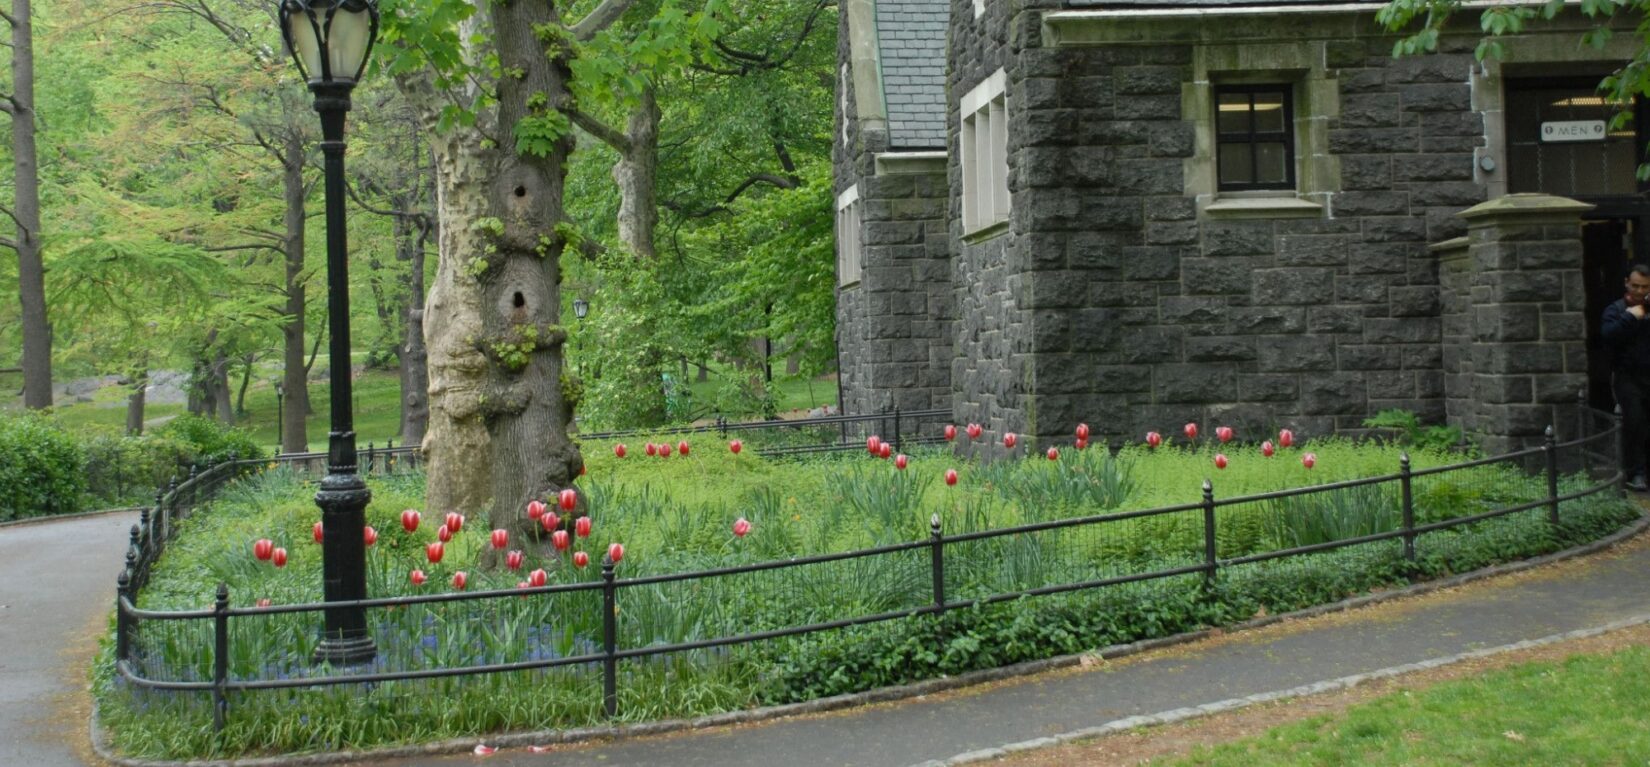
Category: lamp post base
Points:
column 343, row 499
column 345, row 651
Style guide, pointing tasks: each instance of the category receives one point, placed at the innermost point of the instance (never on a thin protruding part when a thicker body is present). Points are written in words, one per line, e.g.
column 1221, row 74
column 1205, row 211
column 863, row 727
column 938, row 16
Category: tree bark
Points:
column 637, row 177
column 223, row 406
column 294, row 381
column 415, row 370
column 31, row 271
column 135, row 402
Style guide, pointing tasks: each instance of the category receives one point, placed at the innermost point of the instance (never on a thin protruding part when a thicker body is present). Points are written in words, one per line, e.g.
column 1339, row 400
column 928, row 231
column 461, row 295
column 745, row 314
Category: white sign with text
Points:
column 1573, row 130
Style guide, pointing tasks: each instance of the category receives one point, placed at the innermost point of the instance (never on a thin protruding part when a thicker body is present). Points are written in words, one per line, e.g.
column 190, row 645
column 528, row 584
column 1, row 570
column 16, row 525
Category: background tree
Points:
column 25, row 211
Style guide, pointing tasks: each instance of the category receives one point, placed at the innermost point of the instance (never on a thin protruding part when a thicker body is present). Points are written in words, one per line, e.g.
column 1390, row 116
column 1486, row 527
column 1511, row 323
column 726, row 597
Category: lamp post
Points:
column 581, row 308
column 329, row 41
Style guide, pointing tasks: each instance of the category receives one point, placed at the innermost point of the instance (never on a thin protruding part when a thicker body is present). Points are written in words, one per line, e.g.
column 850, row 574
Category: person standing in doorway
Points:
column 1626, row 332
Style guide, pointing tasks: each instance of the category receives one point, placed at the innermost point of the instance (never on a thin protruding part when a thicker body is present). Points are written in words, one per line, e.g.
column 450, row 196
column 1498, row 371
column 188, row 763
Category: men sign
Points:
column 1572, row 130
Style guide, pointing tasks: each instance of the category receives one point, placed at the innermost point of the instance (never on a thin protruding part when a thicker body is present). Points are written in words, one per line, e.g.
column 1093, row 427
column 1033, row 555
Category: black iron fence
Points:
column 903, row 581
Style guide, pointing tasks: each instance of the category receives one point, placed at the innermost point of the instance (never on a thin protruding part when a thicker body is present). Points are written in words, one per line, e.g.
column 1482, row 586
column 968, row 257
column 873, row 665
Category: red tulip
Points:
column 278, row 556
column 1009, row 439
column 417, row 577
column 369, row 536
column 885, row 450
column 501, row 539
column 560, row 540
column 1286, row 438
column 444, row 533
column 682, row 447
column 1266, row 448
column 615, row 552
column 410, row 519
column 1082, row 443
column 319, row 531
column 736, row 446
column 1309, row 460
column 537, row 578
column 652, row 449
column 264, row 602
column 1083, row 431
column 263, row 548
column 664, row 450
column 535, row 508
column 873, row 444
column 950, row 432
column 741, row 527
column 1191, row 431
column 455, row 521
column 1053, row 454
column 550, row 521
column 901, row 461
column 569, row 499
column 580, row 559
column 521, row 585
column 581, row 527
column 460, row 580
column 975, row 430
column 1223, row 433
column 618, row 450
column 434, row 551
column 1153, row 439
column 950, row 476
column 1220, row 460
column 513, row 560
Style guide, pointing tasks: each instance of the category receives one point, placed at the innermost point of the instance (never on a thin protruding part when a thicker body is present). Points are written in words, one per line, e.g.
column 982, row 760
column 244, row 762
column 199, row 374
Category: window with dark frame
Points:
column 1254, row 137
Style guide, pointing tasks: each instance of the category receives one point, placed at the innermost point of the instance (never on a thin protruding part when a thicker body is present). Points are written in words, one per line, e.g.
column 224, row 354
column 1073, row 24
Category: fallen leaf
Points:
column 539, row 749
column 1513, row 735
column 482, row 749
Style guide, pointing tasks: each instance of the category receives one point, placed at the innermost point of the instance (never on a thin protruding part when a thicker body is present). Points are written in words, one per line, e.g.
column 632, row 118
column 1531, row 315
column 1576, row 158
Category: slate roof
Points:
column 911, row 41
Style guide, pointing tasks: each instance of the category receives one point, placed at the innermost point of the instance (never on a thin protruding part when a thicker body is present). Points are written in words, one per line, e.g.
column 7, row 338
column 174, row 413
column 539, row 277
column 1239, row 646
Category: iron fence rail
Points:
column 1598, row 442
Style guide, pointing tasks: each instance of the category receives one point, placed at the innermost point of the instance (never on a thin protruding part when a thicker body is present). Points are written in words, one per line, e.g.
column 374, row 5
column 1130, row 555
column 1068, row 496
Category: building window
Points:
column 848, row 262
column 985, row 154
column 1254, row 137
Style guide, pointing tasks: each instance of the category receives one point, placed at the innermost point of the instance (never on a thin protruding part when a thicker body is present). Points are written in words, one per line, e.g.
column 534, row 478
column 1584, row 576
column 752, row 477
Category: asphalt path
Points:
column 57, row 587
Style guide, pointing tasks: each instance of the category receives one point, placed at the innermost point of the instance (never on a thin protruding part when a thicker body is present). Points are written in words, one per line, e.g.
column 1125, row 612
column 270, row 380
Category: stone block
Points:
column 1267, row 387
column 1503, row 389
column 1394, row 229
column 1362, row 80
column 1334, row 394
column 1335, row 319
column 892, row 233
column 1148, row 80
column 1370, row 357
column 1523, row 287
column 1046, row 128
column 1435, row 68
column 1414, row 301
column 1453, row 124
column 1429, row 384
column 1374, row 140
column 1267, row 320
column 1426, row 167
column 1559, row 388
column 1180, row 310
column 1175, row 139
column 1151, row 263
column 1345, row 53
column 1369, row 110
column 1148, row 177
column 1506, row 322
column 1406, row 330
column 1447, row 193
column 1383, row 257
column 1437, row 97
column 1293, row 286
column 1194, row 383
column 1297, row 354
column 1150, row 345
column 1517, row 358
column 1162, row 107
column 1372, row 203
column 1549, row 255
column 1389, row 385
column 1097, row 251
column 1366, row 172
column 1314, row 249
column 1237, row 238
column 1361, row 290
column 1220, row 349
column 1423, row 356
column 1563, row 326
column 1215, row 276
column 1171, row 208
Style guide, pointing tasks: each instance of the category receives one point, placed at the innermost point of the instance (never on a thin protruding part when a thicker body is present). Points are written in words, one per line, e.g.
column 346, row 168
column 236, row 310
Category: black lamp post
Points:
column 280, row 418
column 581, row 308
column 330, row 40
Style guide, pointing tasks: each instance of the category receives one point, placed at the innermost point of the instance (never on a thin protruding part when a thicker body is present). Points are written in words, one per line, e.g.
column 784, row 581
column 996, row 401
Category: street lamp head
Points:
column 329, row 39
column 581, row 308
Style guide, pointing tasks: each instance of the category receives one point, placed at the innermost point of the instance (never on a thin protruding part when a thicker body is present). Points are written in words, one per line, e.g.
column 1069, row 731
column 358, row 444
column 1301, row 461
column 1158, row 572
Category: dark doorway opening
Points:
column 1607, row 254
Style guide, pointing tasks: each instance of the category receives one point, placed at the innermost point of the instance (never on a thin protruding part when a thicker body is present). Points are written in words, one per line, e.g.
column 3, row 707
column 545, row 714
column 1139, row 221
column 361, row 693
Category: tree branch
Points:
column 756, row 178
column 751, row 62
column 599, row 19
column 7, row 242
column 599, row 129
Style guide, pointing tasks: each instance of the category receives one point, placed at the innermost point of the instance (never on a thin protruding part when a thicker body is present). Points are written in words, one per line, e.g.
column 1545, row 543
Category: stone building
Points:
column 1138, row 213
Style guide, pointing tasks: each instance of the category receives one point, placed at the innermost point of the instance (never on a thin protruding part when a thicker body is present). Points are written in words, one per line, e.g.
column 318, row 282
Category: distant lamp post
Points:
column 330, row 41
column 581, row 308
column 280, row 418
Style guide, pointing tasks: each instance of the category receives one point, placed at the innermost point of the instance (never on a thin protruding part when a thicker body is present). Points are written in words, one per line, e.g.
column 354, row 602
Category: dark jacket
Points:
column 1627, row 338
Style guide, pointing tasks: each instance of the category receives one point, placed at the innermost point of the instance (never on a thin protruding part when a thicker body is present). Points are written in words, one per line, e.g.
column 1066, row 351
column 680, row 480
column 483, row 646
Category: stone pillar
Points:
column 1455, row 309
column 1528, row 326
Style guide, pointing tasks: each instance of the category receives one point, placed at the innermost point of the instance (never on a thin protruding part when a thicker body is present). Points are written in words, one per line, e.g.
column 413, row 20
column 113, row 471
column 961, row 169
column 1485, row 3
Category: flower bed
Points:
column 713, row 509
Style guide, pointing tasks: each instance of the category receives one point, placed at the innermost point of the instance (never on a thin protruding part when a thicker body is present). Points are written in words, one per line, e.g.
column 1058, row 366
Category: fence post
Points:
column 1406, row 482
column 936, row 550
column 220, row 657
column 1209, row 560
column 389, row 457
column 896, row 427
column 722, row 426
column 1549, row 445
column 610, row 640
column 123, row 630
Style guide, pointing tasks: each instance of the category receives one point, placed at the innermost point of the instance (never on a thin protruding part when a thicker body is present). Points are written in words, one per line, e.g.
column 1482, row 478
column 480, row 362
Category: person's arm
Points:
column 1618, row 324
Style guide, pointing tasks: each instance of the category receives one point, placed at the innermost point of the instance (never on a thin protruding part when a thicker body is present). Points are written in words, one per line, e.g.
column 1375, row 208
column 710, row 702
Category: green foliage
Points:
column 1440, row 437
column 128, row 470
column 41, row 468
column 210, row 442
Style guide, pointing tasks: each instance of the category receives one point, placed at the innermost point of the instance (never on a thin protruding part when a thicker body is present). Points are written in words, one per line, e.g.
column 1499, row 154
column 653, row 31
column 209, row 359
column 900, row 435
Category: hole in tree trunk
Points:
column 521, row 191
column 518, row 301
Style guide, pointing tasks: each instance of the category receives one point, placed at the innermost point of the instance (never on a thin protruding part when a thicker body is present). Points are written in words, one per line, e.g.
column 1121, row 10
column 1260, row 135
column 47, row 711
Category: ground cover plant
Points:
column 712, row 507
column 1587, row 709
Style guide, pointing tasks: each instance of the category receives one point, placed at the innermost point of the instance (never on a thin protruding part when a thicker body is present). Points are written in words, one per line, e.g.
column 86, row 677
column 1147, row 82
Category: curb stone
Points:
column 1332, row 685
column 26, row 522
column 453, row 746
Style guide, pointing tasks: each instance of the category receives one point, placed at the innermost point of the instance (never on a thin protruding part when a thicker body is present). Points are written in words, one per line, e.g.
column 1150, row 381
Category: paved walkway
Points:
column 48, row 626
column 57, row 584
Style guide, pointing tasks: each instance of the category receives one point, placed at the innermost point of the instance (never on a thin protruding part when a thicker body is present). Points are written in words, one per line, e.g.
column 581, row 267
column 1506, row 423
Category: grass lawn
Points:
column 1587, row 709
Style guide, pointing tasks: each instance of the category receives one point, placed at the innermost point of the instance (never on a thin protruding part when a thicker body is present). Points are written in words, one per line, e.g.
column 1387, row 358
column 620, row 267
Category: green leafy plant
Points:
column 1412, row 432
column 42, row 468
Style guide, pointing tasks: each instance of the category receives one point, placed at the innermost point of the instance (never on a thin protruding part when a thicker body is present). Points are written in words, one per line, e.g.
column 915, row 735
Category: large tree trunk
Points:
column 31, row 271
column 415, row 369
column 223, row 407
column 637, row 177
column 135, row 402
column 294, row 382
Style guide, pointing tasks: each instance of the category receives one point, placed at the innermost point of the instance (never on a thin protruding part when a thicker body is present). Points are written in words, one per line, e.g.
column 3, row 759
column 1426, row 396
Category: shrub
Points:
column 209, row 441
column 129, row 469
column 41, row 469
